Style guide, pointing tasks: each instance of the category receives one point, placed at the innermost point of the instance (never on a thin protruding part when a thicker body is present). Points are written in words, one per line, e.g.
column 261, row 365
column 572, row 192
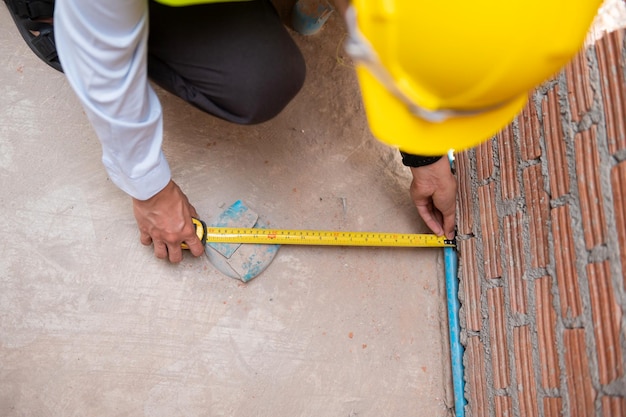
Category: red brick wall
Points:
column 542, row 249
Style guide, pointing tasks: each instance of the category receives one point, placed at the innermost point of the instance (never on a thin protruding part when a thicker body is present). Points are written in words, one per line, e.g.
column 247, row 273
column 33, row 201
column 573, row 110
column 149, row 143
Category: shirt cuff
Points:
column 416, row 161
column 146, row 186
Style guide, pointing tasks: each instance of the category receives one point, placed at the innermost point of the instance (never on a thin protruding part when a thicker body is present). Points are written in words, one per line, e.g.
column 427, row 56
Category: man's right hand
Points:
column 165, row 221
column 433, row 191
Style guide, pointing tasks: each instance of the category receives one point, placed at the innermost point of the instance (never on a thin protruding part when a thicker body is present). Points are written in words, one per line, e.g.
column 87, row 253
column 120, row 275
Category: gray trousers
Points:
column 234, row 60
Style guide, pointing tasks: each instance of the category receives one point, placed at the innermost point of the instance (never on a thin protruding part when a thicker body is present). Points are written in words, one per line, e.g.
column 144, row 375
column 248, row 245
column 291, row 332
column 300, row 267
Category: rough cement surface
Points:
column 91, row 324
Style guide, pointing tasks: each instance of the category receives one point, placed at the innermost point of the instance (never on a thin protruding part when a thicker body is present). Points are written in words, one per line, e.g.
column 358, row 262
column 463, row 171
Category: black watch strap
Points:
column 416, row 161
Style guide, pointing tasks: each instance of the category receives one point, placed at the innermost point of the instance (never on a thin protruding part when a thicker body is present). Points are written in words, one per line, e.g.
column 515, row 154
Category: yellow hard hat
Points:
column 441, row 75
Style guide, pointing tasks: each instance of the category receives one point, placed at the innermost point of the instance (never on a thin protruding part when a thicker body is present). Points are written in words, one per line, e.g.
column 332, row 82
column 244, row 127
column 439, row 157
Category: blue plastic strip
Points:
column 454, row 326
column 456, row 349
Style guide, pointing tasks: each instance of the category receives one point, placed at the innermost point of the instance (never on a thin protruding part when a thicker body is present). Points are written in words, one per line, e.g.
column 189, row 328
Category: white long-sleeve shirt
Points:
column 102, row 46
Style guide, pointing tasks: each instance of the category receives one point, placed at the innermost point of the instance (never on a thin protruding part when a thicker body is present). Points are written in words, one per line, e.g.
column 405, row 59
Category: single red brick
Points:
column 590, row 188
column 497, row 333
column 465, row 202
column 484, row 160
column 618, row 184
column 538, row 211
column 579, row 92
column 579, row 388
column 471, row 284
column 546, row 333
column 514, row 262
column 565, row 263
column 490, row 230
column 475, row 377
column 529, row 131
column 613, row 406
column 555, row 145
column 508, row 163
column 607, row 315
column 611, row 65
column 504, row 406
column 526, row 385
column 552, row 407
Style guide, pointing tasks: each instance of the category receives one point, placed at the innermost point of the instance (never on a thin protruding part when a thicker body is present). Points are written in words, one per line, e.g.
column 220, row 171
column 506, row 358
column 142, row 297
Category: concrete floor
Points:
column 91, row 324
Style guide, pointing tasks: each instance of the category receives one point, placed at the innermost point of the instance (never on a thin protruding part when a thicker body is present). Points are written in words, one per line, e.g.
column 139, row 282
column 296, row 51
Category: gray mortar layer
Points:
column 511, row 320
column 483, row 334
column 531, row 274
column 530, row 319
column 583, row 256
column 608, row 162
column 585, row 320
column 531, row 306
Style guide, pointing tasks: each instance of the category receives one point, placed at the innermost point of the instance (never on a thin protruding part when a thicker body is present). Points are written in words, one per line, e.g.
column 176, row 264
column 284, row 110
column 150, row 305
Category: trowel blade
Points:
column 236, row 260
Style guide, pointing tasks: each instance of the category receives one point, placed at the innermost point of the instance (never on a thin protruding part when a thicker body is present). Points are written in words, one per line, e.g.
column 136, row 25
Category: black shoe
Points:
column 39, row 36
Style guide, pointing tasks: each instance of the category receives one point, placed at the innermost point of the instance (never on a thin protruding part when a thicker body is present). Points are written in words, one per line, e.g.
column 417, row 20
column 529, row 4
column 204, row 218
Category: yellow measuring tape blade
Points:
column 322, row 237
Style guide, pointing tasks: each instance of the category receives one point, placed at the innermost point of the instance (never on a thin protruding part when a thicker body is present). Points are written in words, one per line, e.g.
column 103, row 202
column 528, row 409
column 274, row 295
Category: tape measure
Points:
column 316, row 237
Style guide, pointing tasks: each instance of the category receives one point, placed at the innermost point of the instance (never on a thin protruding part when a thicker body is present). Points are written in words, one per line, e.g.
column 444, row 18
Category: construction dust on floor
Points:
column 92, row 324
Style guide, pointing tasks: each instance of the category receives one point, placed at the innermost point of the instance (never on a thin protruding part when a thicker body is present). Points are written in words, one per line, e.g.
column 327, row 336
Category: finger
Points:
column 160, row 250
column 430, row 220
column 145, row 239
column 449, row 222
column 448, row 219
column 438, row 216
column 195, row 246
column 175, row 253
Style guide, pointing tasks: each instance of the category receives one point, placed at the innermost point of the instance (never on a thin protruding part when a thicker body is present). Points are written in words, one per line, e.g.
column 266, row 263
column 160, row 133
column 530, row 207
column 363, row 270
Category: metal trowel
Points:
column 237, row 260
